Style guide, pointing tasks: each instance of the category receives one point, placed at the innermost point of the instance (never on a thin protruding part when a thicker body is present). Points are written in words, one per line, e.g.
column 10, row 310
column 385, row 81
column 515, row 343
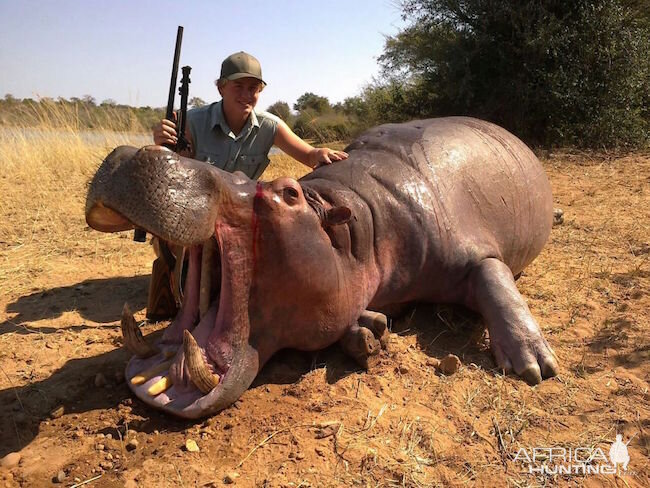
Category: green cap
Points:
column 241, row 65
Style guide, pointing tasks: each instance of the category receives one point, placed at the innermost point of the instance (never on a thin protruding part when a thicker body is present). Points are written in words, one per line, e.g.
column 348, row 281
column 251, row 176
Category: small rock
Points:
column 433, row 362
column 100, row 380
column 77, row 480
column 109, row 456
column 57, row 412
column 320, row 451
column 230, row 478
column 100, row 447
column 101, row 436
column 78, row 434
column 558, row 216
column 191, row 446
column 132, row 445
column 300, row 456
column 403, row 369
column 449, row 364
column 109, row 436
column 60, row 477
column 106, row 465
column 10, row 460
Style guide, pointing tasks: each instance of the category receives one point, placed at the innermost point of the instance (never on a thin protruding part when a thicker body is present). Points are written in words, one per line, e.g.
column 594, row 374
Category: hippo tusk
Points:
column 200, row 374
column 133, row 339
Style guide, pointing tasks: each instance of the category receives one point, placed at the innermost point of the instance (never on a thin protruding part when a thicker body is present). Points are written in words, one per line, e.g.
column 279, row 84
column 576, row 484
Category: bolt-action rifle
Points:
column 165, row 288
column 181, row 142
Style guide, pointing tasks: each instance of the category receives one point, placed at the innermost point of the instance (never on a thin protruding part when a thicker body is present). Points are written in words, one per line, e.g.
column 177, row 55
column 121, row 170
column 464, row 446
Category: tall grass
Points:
column 45, row 167
column 44, row 170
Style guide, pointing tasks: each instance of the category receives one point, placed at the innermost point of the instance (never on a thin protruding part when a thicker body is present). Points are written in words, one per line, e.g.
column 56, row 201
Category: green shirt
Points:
column 215, row 143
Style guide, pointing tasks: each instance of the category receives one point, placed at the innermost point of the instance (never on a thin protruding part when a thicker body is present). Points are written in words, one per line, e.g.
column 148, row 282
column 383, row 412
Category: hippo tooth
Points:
column 159, row 386
column 133, row 339
column 200, row 374
column 147, row 374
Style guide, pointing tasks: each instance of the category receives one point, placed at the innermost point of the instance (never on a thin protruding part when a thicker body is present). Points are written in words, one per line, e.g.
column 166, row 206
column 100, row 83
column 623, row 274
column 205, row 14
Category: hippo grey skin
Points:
column 442, row 210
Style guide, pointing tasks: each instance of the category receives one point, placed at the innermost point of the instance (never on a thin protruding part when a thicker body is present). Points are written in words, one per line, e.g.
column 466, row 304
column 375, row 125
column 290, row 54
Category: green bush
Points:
column 553, row 72
column 322, row 128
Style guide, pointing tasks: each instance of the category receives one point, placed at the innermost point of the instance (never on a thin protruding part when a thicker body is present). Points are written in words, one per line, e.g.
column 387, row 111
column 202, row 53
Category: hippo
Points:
column 446, row 210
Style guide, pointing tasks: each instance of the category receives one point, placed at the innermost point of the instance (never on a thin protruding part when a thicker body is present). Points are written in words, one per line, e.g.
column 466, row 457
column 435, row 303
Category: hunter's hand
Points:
column 323, row 155
column 165, row 133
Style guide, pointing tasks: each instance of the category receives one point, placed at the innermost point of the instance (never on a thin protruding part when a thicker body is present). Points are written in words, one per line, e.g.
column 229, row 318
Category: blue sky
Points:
column 123, row 49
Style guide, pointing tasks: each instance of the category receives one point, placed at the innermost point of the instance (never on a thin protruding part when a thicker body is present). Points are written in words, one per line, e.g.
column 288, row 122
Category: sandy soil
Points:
column 316, row 419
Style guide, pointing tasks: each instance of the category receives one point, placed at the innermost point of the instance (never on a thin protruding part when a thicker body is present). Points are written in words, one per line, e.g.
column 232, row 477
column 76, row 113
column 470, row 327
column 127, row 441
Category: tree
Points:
column 109, row 102
column 282, row 110
column 311, row 101
column 553, row 72
column 89, row 99
column 196, row 102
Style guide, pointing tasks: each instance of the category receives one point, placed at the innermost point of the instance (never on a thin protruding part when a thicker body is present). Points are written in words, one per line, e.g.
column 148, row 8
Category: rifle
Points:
column 139, row 235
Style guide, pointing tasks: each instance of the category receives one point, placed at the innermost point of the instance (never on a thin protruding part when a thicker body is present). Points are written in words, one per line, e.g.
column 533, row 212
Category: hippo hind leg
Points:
column 515, row 338
column 364, row 340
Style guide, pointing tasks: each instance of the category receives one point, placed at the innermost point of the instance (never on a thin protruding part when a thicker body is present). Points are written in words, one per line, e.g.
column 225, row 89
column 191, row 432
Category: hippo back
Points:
column 472, row 185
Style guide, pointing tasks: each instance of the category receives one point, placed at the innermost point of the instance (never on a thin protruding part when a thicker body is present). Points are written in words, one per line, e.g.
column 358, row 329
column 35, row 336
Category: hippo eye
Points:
column 290, row 194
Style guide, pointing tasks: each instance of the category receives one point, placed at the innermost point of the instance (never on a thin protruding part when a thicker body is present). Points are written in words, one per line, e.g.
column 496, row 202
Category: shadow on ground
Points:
column 439, row 330
column 97, row 300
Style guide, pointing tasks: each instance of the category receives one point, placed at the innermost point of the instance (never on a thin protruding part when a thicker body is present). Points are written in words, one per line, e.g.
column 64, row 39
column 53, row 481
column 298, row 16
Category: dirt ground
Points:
column 315, row 419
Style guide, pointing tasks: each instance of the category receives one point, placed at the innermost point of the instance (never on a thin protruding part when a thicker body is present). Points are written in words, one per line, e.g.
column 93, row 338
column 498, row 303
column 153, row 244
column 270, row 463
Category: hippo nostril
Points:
column 290, row 195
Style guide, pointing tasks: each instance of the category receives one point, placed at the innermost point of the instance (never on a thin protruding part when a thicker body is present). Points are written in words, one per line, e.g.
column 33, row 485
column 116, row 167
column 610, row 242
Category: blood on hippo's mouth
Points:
column 184, row 371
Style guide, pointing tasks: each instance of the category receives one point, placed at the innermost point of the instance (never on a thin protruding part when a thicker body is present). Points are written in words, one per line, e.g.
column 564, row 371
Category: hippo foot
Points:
column 515, row 338
column 364, row 341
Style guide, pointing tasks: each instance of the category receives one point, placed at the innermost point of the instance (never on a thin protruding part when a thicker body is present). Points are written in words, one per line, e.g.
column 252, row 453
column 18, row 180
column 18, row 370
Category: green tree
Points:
column 551, row 71
column 89, row 99
column 196, row 102
column 282, row 110
column 312, row 102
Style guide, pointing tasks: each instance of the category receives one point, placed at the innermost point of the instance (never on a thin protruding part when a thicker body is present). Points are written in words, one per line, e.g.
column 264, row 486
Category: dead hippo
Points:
column 443, row 210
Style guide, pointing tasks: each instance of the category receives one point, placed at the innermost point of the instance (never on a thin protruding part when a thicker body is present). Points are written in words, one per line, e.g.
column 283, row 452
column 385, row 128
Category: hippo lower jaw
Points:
column 225, row 364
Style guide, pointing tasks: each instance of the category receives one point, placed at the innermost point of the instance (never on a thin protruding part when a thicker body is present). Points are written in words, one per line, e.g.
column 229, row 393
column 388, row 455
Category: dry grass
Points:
column 44, row 172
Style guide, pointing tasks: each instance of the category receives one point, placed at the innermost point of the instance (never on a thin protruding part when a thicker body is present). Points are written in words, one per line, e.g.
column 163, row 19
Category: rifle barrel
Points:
column 172, row 83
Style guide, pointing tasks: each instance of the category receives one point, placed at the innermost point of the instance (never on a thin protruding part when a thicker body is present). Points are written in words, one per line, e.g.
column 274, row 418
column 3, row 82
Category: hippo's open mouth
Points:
column 189, row 370
column 204, row 361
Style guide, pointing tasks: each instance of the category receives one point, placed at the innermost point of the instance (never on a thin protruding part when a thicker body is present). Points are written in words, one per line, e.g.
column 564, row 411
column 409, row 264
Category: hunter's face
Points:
column 240, row 96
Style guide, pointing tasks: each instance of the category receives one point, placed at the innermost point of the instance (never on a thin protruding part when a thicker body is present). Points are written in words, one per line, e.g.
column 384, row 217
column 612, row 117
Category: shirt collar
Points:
column 218, row 119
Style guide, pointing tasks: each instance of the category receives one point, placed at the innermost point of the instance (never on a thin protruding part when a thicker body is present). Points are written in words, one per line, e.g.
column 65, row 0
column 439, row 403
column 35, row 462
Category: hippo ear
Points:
column 336, row 216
